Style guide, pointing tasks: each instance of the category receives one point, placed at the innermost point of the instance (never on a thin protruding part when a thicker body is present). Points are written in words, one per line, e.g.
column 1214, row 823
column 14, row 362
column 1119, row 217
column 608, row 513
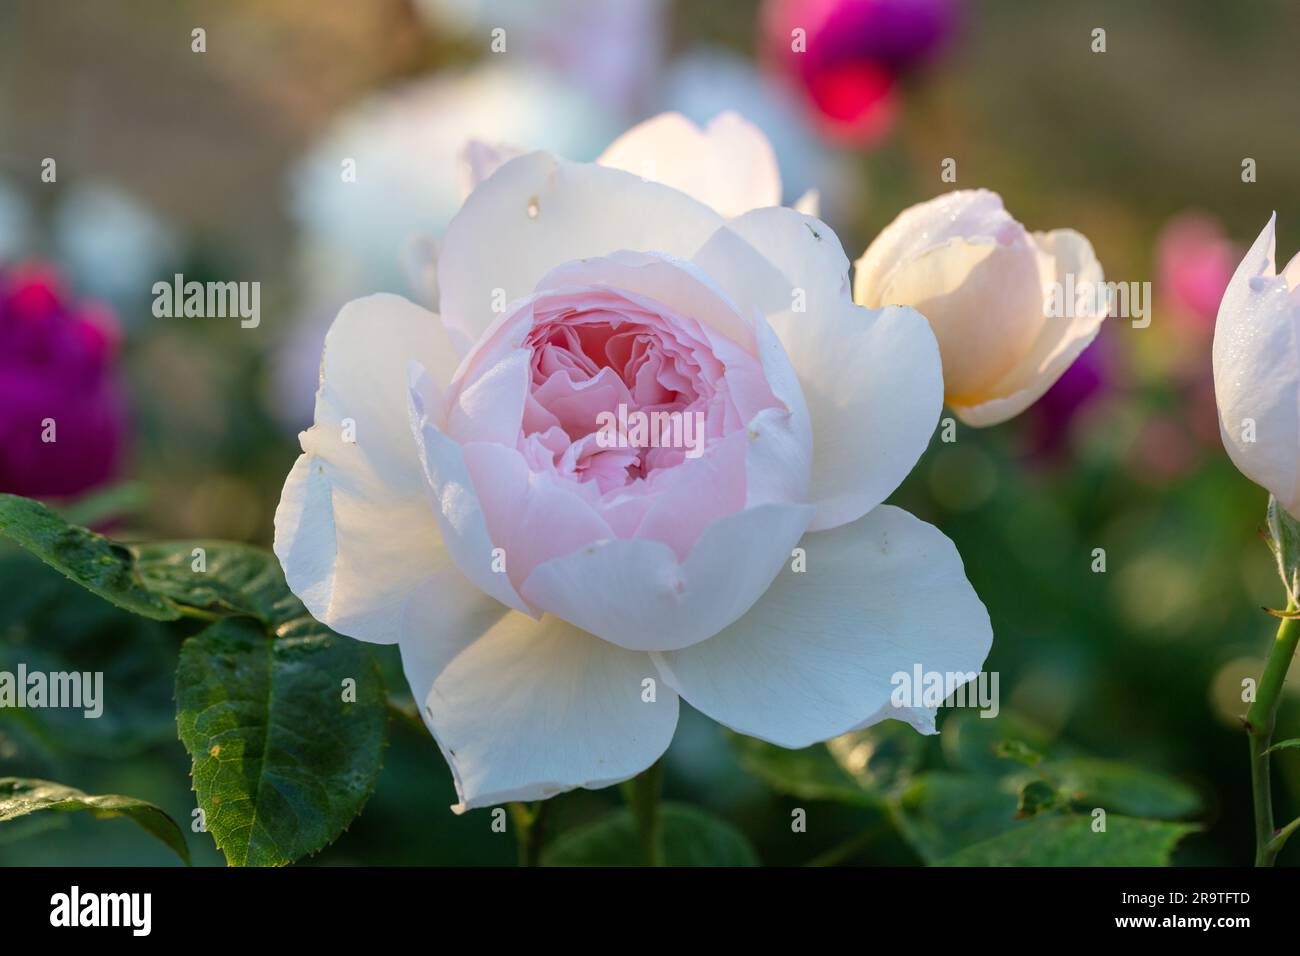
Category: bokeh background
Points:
column 225, row 165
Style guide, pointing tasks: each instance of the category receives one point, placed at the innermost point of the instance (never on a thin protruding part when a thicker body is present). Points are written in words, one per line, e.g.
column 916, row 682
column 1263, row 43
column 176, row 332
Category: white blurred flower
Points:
column 107, row 242
column 15, row 221
column 612, row 48
column 114, row 245
column 378, row 233
column 406, row 145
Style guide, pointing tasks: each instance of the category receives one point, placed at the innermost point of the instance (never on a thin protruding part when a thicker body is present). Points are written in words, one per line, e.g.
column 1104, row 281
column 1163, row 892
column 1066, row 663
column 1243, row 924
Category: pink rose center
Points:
column 619, row 391
column 633, row 422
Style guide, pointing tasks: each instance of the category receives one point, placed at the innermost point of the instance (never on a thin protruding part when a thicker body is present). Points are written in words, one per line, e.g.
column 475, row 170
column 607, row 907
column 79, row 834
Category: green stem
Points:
column 1279, row 841
column 530, row 825
column 849, row 849
column 198, row 613
column 642, row 796
column 1260, row 720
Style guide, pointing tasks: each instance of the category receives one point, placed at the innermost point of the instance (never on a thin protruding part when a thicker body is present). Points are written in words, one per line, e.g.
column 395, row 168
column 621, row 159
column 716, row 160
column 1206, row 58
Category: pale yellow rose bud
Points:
column 986, row 285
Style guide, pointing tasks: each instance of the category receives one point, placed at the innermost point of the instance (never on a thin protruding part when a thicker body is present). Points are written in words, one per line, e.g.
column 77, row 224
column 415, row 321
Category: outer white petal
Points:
column 816, row 656
column 636, row 594
column 537, row 212
column 354, row 531
column 1060, row 340
column 777, row 260
column 1257, row 371
column 874, row 386
column 522, row 709
column 871, row 378
column 729, row 165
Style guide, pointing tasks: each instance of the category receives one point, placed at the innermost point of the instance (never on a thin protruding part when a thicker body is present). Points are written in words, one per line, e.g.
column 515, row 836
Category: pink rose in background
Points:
column 851, row 53
column 62, row 416
column 1195, row 260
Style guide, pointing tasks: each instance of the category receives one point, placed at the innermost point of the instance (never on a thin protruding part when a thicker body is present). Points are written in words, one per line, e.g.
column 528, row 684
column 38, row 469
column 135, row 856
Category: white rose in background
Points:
column 16, row 220
column 613, row 48
column 110, row 243
column 1257, row 370
column 378, row 233
column 553, row 596
column 984, row 283
column 406, row 144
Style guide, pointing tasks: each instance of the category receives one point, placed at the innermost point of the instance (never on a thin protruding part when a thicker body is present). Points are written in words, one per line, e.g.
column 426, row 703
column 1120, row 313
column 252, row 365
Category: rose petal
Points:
column 531, row 517
column 676, row 283
column 729, row 165
column 927, row 225
column 1257, row 372
column 777, row 260
column 815, row 657
column 871, row 379
column 635, row 593
column 537, row 212
column 1060, row 341
column 523, row 710
column 778, row 461
column 353, row 530
column 983, row 299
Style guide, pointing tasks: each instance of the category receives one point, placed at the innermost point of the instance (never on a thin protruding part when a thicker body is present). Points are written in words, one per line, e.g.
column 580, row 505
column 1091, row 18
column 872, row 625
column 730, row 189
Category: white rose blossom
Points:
column 553, row 597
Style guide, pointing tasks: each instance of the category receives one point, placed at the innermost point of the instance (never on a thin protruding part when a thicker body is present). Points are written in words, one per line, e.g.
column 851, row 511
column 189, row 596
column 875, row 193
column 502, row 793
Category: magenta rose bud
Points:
column 1054, row 415
column 847, row 54
column 62, row 416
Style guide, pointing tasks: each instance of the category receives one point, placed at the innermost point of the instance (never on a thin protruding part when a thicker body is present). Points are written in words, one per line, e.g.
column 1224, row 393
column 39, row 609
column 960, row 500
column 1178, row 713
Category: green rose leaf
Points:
column 285, row 756
column 1089, row 782
column 221, row 577
column 1019, row 751
column 1069, row 840
column 863, row 767
column 687, row 837
column 994, row 745
column 810, row 773
column 942, row 812
column 1285, row 745
column 1035, row 797
column 49, row 624
column 20, row 797
column 93, row 561
column 284, row 719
